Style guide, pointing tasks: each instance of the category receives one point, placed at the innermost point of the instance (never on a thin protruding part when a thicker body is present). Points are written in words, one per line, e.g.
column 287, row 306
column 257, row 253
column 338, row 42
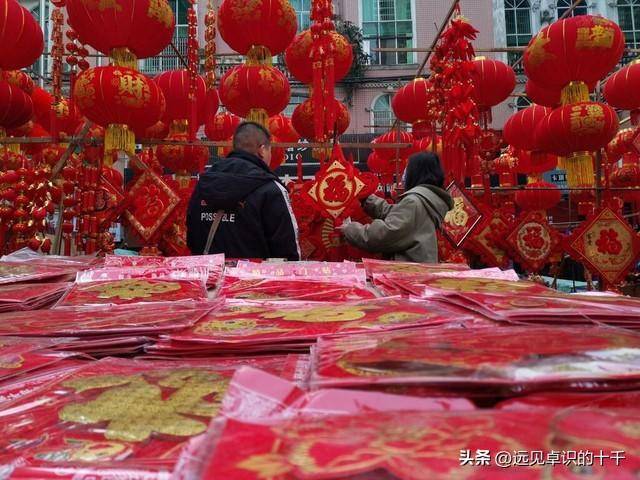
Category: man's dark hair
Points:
column 250, row 136
column 424, row 168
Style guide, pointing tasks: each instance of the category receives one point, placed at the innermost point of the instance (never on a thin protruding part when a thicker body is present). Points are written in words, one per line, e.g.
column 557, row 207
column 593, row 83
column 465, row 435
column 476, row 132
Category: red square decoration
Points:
column 533, row 241
column 463, row 218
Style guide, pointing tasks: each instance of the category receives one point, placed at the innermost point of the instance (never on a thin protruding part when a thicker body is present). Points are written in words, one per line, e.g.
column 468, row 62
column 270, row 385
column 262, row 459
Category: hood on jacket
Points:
column 435, row 199
column 230, row 180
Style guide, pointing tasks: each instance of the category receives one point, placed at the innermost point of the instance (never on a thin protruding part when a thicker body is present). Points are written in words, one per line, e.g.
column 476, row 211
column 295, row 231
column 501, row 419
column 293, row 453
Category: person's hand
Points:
column 345, row 222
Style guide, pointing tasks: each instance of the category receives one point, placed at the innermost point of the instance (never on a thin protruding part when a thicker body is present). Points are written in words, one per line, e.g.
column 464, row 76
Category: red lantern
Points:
column 410, row 103
column 381, row 167
column 16, row 107
column 182, row 159
column 175, row 87
column 573, row 131
column 123, row 27
column 621, row 144
column 519, row 130
column 303, row 116
column 538, row 195
column 278, row 155
column 270, row 24
column 622, row 90
column 394, row 136
column 20, row 36
column 427, row 145
column 222, row 126
column 281, row 127
column 535, row 163
column 494, row 81
column 255, row 92
column 20, row 79
column 572, row 53
column 157, row 131
column 542, row 96
column 626, row 176
column 298, row 56
column 120, row 99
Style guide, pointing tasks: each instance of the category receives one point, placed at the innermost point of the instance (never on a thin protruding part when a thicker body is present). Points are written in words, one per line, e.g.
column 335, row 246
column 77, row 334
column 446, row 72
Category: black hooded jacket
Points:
column 258, row 220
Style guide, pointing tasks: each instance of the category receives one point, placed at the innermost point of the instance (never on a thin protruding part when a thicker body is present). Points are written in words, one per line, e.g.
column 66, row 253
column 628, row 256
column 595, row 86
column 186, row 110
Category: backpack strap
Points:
column 217, row 218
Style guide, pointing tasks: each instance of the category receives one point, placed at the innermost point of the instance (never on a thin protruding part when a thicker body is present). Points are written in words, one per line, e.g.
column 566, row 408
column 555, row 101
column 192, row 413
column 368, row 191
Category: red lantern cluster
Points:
column 304, row 115
column 622, row 90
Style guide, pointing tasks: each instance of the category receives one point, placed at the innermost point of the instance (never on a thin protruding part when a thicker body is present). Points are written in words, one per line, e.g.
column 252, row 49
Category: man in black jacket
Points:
column 256, row 216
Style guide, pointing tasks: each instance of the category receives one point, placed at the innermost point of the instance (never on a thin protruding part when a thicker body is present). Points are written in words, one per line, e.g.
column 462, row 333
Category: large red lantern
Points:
column 20, row 36
column 621, row 144
column 298, row 56
column 19, row 79
column 182, row 159
column 271, row 24
column 627, row 175
column 120, row 99
column 542, row 96
column 410, row 104
column 570, row 54
column 123, row 29
column 622, row 90
column 535, row 163
column 519, row 130
column 573, row 131
column 394, row 136
column 222, row 126
column 281, row 127
column 255, row 92
column 303, row 119
column 493, row 81
column 175, row 87
column 16, row 107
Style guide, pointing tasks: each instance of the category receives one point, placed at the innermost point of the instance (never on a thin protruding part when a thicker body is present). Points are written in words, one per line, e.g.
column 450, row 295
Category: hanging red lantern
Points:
column 16, row 107
column 621, row 144
column 255, row 92
column 222, row 126
column 19, row 79
column 271, row 24
column 519, row 130
column 175, row 87
column 584, row 198
column 281, row 127
column 20, row 36
column 394, row 136
column 157, row 131
column 572, row 53
column 410, row 104
column 298, row 56
column 427, row 145
column 542, row 96
column 627, row 176
column 493, row 81
column 303, row 119
column 538, row 195
column 182, row 159
column 622, row 90
column 535, row 163
column 120, row 99
column 573, row 131
column 278, row 155
column 123, row 29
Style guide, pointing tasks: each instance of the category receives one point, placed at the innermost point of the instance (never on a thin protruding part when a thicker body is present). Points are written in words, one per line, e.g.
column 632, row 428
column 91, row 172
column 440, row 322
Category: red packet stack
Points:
column 16, row 272
column 21, row 355
column 30, row 296
column 240, row 327
column 100, row 331
column 117, row 418
column 342, row 271
column 482, row 362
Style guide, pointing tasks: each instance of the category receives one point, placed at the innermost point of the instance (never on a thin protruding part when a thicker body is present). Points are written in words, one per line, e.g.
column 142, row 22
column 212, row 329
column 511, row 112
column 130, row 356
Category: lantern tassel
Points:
column 575, row 92
column 9, row 147
column 118, row 137
column 122, row 57
column 258, row 115
column 579, row 168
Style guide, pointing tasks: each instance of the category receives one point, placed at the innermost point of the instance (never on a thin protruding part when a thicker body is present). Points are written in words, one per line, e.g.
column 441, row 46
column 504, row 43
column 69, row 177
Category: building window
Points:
column 167, row 59
column 303, row 12
column 629, row 21
column 388, row 24
column 517, row 16
column 564, row 5
column 44, row 59
column 382, row 117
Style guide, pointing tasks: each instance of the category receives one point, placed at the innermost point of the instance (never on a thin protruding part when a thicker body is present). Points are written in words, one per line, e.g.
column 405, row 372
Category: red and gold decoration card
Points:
column 287, row 289
column 15, row 272
column 481, row 361
column 481, row 240
column 133, row 291
column 607, row 245
column 239, row 324
column 463, row 218
column 117, row 418
column 342, row 271
column 339, row 186
column 21, row 355
column 30, row 296
column 533, row 242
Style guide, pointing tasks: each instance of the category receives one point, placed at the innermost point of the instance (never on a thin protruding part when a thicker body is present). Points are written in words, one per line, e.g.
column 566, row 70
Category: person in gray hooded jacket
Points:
column 406, row 231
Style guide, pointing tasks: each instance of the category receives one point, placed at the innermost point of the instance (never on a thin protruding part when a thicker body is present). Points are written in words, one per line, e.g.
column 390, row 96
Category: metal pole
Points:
column 43, row 21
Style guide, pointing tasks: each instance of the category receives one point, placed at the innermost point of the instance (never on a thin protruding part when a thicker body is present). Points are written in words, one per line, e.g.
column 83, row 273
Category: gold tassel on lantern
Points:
column 258, row 115
column 179, row 127
column 575, row 92
column 122, row 57
column 118, row 137
column 579, row 168
column 259, row 55
column 8, row 147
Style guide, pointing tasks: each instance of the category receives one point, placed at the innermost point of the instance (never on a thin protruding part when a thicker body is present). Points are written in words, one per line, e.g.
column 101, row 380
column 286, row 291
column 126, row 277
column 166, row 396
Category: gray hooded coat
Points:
column 405, row 231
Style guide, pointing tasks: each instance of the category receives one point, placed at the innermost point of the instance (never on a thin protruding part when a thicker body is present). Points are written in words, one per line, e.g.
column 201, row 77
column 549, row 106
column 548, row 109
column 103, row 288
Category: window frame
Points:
column 390, row 39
